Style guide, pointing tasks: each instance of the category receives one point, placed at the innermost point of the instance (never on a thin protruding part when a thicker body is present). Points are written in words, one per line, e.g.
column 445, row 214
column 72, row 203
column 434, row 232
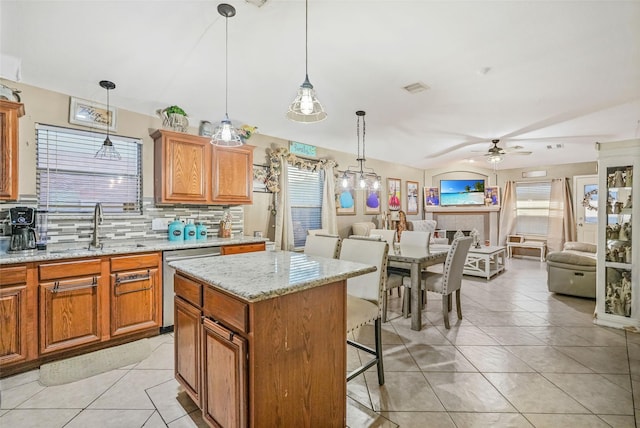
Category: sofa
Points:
column 572, row 271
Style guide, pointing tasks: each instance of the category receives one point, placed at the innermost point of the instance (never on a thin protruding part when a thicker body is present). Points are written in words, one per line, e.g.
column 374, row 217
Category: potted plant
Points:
column 175, row 118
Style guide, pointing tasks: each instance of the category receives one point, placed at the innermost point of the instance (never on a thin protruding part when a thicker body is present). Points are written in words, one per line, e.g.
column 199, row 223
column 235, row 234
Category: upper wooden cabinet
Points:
column 189, row 170
column 9, row 114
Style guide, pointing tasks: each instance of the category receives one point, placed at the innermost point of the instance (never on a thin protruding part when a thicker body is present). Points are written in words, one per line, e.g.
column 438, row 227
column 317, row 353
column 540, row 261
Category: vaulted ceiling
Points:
column 534, row 74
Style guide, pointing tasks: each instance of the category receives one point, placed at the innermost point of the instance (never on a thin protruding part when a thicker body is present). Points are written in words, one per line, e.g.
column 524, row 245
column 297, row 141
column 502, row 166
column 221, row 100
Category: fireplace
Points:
column 452, row 219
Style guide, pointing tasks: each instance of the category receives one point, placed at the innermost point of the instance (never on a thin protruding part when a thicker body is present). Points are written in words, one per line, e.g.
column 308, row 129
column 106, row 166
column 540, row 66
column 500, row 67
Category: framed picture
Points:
column 371, row 199
column 346, row 196
column 431, row 196
column 412, row 197
column 492, row 195
column 92, row 114
column 260, row 178
column 394, row 194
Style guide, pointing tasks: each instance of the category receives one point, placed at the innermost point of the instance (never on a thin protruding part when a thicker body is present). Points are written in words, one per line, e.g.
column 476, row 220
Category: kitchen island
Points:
column 261, row 338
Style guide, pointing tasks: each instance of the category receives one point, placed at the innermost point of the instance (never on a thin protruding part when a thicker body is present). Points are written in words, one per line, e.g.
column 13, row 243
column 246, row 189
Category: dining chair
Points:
column 364, row 297
column 395, row 278
column 415, row 238
column 322, row 245
column 450, row 279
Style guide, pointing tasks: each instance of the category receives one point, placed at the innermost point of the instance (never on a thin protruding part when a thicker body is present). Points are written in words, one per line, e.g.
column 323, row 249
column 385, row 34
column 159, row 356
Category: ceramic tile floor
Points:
column 521, row 357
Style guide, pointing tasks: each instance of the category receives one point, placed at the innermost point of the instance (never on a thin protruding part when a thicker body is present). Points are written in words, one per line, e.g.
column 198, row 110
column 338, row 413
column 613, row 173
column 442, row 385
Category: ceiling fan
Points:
column 496, row 154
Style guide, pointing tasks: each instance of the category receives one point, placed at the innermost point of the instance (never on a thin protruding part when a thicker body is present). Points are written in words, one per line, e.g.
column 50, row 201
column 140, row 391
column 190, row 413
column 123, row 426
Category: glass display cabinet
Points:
column 618, row 292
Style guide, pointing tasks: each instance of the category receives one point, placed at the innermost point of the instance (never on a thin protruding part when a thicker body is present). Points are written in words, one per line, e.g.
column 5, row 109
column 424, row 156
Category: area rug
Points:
column 93, row 363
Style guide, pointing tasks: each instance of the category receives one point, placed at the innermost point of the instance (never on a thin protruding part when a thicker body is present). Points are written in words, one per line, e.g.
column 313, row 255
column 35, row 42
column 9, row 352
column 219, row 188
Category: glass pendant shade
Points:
column 306, row 108
column 108, row 151
column 495, row 159
column 226, row 135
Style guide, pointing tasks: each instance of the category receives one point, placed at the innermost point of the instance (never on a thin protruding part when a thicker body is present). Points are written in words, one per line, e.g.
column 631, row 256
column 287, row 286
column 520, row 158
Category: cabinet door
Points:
column 186, row 332
column 242, row 248
column 224, row 392
column 182, row 168
column 233, row 175
column 9, row 114
column 13, row 315
column 69, row 313
column 134, row 295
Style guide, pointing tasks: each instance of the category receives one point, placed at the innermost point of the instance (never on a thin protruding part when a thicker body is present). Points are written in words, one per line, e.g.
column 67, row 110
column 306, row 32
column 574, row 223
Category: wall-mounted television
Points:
column 461, row 192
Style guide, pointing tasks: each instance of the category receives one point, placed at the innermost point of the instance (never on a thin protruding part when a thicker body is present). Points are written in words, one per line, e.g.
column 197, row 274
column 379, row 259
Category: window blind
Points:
column 305, row 197
column 69, row 179
column 532, row 207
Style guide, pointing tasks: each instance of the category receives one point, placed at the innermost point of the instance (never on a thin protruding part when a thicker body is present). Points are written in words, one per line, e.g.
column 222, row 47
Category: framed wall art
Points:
column 92, row 114
column 372, row 199
column 346, row 196
column 412, row 197
column 260, row 178
column 394, row 194
column 431, row 196
column 492, row 195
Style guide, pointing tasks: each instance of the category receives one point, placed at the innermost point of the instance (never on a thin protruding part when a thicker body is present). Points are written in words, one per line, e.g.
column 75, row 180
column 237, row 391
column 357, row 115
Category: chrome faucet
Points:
column 97, row 221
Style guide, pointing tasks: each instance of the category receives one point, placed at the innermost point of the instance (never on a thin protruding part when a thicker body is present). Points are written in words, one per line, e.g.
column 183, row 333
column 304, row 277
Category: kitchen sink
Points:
column 106, row 247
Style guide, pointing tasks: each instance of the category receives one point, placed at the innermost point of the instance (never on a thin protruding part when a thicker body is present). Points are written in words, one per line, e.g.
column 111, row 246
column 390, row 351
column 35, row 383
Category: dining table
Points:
column 414, row 259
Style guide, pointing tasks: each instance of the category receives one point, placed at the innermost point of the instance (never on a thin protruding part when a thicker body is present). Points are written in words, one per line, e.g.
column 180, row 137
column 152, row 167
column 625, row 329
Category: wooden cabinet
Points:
column 242, row 248
column 224, row 392
column 15, row 320
column 9, row 143
column 70, row 304
column 136, row 293
column 275, row 362
column 189, row 170
column 232, row 175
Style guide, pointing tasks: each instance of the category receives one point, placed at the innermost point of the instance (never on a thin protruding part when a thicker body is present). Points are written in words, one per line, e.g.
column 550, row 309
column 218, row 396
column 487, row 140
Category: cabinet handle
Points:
column 57, row 289
column 133, row 278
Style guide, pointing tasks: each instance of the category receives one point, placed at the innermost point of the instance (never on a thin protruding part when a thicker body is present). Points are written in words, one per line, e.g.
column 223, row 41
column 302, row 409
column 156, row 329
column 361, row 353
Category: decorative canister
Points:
column 201, row 231
column 176, row 230
column 190, row 231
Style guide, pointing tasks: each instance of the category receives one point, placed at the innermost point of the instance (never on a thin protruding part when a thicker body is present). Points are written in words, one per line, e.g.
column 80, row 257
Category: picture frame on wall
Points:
column 372, row 200
column 431, row 196
column 260, row 173
column 412, row 197
column 394, row 194
column 92, row 114
column 492, row 195
column 346, row 196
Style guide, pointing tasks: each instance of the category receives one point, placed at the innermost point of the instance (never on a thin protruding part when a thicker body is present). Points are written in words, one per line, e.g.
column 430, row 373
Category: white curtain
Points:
column 562, row 225
column 329, row 217
column 284, row 223
column 508, row 212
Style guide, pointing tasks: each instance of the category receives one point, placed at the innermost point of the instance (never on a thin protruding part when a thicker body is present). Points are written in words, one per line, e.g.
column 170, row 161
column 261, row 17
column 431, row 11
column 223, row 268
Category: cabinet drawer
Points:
column 226, row 309
column 88, row 267
column 189, row 290
column 13, row 275
column 134, row 261
column 242, row 248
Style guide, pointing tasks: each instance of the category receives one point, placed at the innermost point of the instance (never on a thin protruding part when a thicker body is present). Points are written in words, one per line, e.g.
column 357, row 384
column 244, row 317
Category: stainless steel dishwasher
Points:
column 167, row 278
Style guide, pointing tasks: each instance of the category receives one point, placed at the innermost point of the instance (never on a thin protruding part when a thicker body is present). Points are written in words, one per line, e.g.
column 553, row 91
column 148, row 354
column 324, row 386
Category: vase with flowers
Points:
column 175, row 118
column 246, row 131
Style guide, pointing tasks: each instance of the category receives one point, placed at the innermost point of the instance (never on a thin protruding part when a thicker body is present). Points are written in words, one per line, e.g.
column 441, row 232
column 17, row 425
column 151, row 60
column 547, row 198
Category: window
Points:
column 69, row 179
column 305, row 197
column 532, row 207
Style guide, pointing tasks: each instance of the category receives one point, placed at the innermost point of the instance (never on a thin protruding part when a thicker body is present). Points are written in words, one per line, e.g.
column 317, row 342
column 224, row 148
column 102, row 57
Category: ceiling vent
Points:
column 414, row 88
column 555, row 146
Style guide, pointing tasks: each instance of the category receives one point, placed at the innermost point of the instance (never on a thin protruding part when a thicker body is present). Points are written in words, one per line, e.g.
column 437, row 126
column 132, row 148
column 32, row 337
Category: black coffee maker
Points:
column 23, row 233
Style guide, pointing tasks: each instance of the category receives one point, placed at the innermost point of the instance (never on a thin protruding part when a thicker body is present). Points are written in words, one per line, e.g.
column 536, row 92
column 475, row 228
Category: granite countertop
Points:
column 119, row 246
column 271, row 273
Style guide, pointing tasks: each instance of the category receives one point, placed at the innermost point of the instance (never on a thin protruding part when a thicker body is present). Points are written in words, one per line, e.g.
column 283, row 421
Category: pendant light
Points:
column 306, row 108
column 108, row 151
column 225, row 134
column 362, row 175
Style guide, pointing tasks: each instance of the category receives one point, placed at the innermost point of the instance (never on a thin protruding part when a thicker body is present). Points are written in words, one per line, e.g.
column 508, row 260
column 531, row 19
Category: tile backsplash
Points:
column 79, row 228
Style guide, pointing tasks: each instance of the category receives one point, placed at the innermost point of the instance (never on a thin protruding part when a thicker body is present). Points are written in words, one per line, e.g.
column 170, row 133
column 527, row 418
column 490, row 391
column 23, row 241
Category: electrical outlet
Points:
column 160, row 224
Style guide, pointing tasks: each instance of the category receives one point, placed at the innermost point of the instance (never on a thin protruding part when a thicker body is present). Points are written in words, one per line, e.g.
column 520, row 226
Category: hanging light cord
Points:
column 226, row 66
column 306, row 39
column 108, row 116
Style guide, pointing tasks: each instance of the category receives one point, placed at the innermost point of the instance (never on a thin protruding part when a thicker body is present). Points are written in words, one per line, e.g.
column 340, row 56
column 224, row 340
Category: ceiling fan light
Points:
column 495, row 159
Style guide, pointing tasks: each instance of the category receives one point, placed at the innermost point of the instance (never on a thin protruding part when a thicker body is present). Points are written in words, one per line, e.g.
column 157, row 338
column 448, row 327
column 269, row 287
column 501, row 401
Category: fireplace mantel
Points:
column 462, row 208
